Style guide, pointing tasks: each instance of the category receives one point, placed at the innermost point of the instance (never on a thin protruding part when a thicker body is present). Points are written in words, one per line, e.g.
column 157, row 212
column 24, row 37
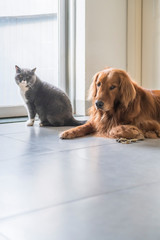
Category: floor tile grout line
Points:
column 4, row 134
column 22, row 141
column 49, row 151
column 12, row 133
column 74, row 201
column 74, row 149
column 65, row 140
column 62, row 140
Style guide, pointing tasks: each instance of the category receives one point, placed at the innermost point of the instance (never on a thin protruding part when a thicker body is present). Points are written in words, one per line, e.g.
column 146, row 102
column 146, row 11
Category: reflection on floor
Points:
column 83, row 189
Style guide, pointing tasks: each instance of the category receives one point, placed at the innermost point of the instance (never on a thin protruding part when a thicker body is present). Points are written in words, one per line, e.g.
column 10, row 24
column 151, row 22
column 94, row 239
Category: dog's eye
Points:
column 99, row 84
column 112, row 87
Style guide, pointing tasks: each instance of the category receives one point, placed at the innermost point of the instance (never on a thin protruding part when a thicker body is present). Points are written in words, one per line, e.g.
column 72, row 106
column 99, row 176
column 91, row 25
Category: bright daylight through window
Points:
column 29, row 39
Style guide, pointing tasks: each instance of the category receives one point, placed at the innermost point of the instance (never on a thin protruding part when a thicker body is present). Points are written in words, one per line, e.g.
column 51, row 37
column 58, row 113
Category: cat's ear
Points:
column 18, row 70
column 33, row 70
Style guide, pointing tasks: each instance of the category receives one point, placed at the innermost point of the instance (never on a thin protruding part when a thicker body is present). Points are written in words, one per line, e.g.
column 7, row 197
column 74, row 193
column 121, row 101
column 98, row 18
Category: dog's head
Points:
column 111, row 86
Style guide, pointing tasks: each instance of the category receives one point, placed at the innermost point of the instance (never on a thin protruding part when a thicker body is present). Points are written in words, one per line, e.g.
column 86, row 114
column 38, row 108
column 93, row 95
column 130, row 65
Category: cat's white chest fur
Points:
column 23, row 88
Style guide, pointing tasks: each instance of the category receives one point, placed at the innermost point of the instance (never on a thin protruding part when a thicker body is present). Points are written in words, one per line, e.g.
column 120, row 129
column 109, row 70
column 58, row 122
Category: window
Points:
column 29, row 39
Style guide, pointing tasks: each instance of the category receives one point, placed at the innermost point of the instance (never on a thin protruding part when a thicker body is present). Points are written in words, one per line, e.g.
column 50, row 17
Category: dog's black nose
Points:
column 99, row 104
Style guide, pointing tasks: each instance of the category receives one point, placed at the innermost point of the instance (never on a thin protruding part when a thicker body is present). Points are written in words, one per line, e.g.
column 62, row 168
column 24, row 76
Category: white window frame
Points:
column 134, row 39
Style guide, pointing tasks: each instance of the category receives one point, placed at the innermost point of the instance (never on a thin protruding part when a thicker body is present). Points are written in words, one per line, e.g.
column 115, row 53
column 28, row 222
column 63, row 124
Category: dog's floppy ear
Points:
column 93, row 89
column 127, row 89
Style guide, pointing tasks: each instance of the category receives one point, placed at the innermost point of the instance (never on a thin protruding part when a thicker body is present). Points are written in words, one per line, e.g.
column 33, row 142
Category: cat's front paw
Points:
column 30, row 122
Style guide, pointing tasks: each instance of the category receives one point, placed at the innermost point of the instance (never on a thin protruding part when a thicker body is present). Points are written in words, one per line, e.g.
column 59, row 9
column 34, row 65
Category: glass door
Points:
column 29, row 39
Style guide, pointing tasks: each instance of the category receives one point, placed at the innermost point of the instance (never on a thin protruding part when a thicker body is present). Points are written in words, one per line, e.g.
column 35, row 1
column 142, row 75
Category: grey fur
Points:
column 50, row 103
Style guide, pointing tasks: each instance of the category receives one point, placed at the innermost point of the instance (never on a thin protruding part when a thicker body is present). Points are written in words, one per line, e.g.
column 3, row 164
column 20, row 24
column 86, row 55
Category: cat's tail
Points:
column 74, row 122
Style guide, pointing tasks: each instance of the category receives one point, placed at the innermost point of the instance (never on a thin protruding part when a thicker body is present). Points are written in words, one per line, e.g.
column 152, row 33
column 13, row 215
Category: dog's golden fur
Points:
column 128, row 110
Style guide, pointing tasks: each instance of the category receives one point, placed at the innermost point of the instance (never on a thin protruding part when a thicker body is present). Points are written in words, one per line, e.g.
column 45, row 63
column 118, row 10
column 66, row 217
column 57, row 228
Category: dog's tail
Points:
column 74, row 122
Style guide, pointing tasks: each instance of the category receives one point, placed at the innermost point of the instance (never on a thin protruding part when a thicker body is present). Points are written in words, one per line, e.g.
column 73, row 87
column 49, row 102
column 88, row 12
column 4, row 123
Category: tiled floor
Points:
column 83, row 189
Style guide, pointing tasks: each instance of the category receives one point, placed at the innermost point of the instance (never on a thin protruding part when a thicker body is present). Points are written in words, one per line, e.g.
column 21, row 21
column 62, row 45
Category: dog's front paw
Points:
column 30, row 122
column 151, row 134
column 158, row 133
column 67, row 135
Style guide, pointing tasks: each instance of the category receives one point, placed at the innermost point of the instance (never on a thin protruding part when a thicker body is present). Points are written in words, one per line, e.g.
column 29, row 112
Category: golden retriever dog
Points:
column 121, row 109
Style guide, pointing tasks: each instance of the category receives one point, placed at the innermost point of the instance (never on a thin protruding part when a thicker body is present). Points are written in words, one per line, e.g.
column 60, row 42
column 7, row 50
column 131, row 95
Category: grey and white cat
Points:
column 50, row 103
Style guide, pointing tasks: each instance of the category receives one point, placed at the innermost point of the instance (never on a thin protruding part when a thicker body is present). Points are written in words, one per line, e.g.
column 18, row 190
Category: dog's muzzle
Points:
column 99, row 104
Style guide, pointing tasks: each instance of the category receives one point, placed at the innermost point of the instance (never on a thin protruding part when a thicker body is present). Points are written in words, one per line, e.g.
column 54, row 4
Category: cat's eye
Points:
column 99, row 84
column 28, row 77
column 112, row 87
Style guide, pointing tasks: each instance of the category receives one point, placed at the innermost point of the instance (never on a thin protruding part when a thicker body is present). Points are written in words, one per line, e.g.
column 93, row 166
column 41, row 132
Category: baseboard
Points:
column 13, row 111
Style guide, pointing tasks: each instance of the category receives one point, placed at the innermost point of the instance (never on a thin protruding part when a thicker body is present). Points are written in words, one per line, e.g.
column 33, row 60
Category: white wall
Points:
column 151, row 44
column 134, row 40
column 101, row 41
